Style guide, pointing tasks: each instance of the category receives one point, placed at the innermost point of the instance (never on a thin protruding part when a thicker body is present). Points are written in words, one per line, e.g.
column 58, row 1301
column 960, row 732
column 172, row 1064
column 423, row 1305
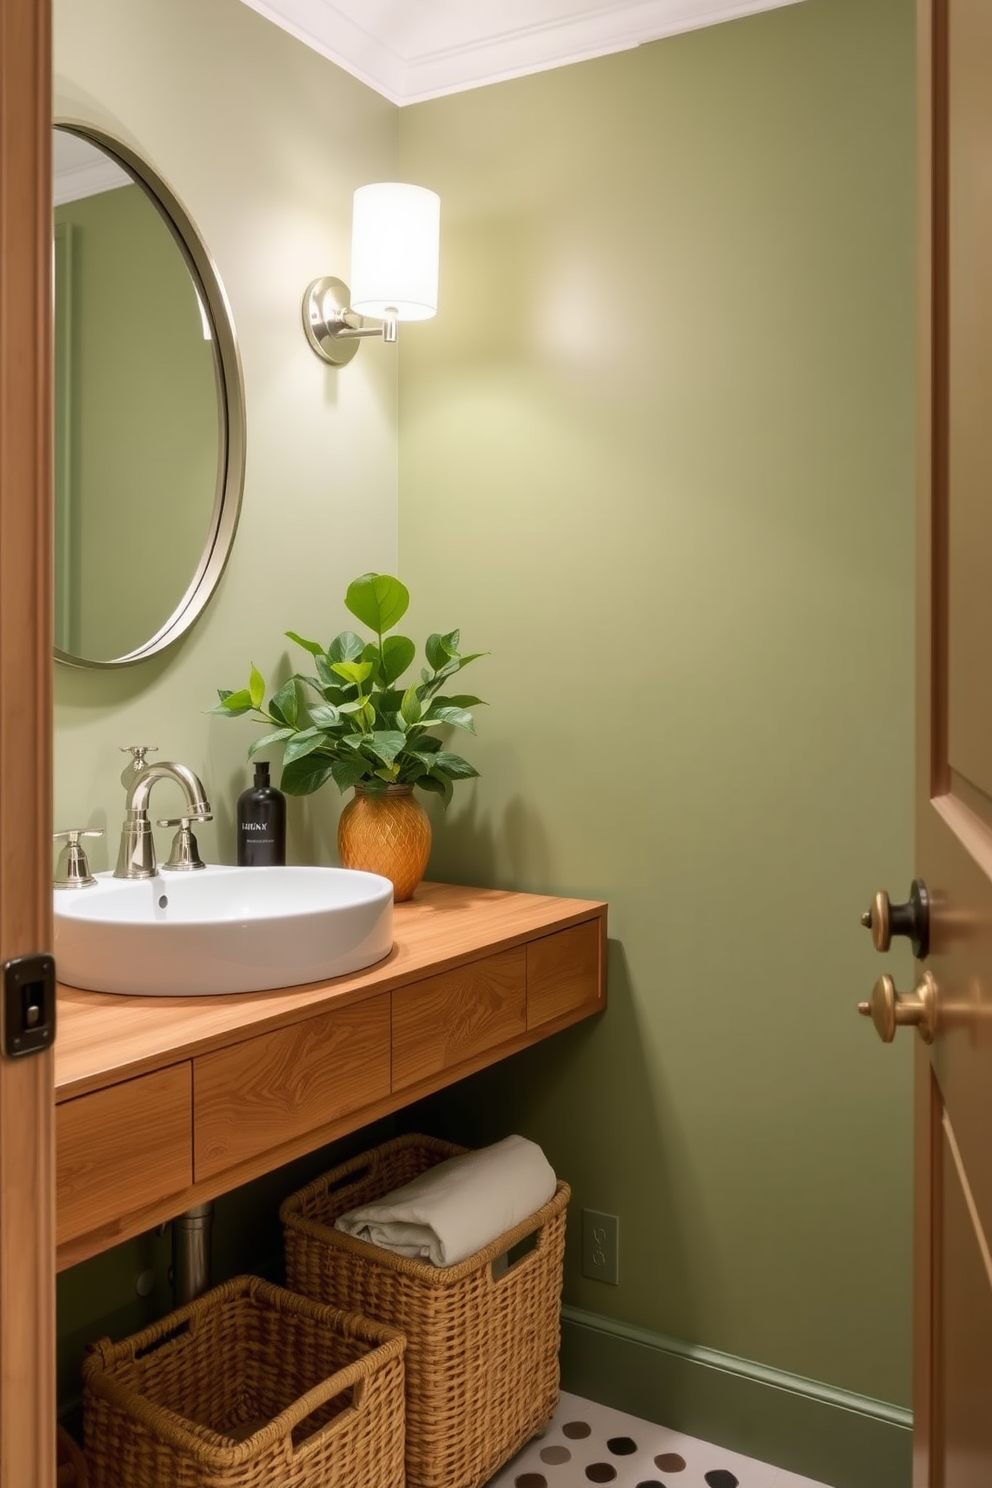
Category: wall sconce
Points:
column 394, row 253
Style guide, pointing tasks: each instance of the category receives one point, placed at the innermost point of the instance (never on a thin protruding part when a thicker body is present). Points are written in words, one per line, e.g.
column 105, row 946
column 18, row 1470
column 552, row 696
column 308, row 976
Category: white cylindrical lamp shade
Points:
column 394, row 251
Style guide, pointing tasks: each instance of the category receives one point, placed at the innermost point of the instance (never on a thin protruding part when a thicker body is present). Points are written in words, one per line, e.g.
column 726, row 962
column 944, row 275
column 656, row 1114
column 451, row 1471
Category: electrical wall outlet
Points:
column 601, row 1246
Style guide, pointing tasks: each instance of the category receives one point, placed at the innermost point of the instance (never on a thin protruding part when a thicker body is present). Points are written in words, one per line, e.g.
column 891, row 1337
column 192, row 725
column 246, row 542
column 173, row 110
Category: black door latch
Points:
column 28, row 1024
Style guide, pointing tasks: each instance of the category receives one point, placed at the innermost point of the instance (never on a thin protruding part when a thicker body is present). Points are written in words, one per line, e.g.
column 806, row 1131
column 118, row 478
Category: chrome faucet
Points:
column 136, row 858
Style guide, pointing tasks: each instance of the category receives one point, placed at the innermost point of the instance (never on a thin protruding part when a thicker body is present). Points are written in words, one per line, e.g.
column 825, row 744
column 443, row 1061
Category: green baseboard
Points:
column 829, row 1435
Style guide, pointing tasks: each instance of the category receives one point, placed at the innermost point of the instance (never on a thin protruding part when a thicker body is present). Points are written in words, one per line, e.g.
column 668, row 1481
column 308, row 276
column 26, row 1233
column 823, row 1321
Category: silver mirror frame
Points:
column 230, row 400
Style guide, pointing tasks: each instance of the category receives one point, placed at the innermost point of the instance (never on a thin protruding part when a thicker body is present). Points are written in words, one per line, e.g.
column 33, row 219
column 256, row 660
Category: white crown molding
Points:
column 447, row 46
column 79, row 169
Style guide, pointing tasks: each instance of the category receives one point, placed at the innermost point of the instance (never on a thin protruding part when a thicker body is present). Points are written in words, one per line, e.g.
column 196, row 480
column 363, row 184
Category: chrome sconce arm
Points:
column 332, row 328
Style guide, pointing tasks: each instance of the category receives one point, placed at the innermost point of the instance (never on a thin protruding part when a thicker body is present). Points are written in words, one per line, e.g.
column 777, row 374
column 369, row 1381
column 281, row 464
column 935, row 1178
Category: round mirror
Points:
column 149, row 408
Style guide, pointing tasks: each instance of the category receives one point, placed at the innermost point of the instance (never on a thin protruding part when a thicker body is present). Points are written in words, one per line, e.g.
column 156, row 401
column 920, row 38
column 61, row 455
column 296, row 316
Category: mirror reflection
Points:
column 147, row 479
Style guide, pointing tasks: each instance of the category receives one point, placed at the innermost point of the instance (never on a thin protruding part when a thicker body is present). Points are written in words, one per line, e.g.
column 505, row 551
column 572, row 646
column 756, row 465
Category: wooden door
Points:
column 27, row 1228
column 953, row 1347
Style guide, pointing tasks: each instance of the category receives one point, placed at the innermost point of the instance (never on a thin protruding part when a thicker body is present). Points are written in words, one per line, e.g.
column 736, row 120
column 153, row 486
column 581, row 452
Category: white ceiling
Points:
column 410, row 50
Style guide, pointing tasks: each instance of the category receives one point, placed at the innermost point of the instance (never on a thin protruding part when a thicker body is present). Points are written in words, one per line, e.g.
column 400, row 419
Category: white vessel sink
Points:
column 221, row 930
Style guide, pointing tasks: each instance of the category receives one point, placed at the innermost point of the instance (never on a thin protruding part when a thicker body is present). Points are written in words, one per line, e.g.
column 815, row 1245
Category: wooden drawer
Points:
column 443, row 1020
column 271, row 1089
column 564, row 973
column 121, row 1148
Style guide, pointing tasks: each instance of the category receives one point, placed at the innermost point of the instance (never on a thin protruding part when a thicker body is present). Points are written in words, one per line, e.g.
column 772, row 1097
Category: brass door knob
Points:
column 911, row 919
column 889, row 1009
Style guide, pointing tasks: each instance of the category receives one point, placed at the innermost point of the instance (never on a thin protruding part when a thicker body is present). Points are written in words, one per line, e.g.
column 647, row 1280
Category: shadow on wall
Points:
column 463, row 835
column 601, row 1064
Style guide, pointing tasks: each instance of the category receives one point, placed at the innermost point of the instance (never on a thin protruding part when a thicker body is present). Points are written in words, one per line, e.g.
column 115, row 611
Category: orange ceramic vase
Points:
column 389, row 833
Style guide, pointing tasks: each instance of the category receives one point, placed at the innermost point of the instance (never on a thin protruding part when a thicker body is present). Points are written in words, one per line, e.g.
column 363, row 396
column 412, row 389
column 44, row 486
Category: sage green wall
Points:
column 656, row 456
column 264, row 142
column 142, row 422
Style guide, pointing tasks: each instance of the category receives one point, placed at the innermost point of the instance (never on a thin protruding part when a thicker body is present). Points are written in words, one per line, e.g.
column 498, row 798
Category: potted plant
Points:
column 356, row 723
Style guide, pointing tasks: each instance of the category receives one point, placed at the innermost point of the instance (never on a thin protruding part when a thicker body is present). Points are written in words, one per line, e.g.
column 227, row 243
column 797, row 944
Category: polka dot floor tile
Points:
column 588, row 1444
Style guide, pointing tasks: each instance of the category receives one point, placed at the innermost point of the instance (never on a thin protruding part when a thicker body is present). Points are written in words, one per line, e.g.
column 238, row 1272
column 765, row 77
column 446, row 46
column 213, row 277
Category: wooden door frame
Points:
column 925, row 1149
column 27, row 1191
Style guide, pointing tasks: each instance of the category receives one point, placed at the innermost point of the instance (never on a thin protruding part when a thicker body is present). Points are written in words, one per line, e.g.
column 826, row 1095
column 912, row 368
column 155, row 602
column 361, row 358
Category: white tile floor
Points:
column 587, row 1443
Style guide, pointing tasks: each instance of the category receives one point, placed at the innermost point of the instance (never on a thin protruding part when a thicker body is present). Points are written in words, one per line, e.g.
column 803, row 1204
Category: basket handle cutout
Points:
column 304, row 1435
column 171, row 1336
column 508, row 1262
column 303, row 1442
column 350, row 1179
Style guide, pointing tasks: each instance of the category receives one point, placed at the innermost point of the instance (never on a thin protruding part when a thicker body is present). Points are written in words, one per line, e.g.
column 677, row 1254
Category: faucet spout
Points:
column 136, row 856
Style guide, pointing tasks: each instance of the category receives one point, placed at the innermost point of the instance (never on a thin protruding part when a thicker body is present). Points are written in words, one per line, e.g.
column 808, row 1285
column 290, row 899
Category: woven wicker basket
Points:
column 249, row 1386
column 482, row 1348
column 70, row 1462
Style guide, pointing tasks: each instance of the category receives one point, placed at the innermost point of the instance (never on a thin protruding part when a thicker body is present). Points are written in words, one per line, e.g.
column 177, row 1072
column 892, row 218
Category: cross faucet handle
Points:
column 72, row 871
column 137, row 761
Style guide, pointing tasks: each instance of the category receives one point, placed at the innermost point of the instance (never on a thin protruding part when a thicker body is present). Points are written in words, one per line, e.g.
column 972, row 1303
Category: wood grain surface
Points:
column 266, row 1090
column 441, row 1021
column 120, row 1148
column 565, row 971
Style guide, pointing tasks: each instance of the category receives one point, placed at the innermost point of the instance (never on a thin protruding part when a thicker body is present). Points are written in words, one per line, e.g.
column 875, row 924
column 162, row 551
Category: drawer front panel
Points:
column 121, row 1148
column 564, row 973
column 268, row 1090
column 443, row 1020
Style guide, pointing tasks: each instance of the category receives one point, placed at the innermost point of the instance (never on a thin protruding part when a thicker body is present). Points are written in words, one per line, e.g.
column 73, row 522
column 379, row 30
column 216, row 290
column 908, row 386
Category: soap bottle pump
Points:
column 261, row 823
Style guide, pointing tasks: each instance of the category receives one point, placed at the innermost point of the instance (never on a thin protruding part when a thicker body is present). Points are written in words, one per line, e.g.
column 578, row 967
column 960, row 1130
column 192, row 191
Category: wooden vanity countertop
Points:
column 104, row 1038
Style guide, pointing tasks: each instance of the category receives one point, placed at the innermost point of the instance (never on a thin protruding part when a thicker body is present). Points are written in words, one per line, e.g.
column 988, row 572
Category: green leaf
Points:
column 370, row 653
column 325, row 715
column 430, row 783
column 411, row 771
column 385, row 744
column 228, row 710
column 314, row 647
column 389, row 700
column 465, row 700
column 375, row 784
column 237, row 702
column 378, row 600
column 454, row 766
column 345, row 647
column 354, row 672
column 426, row 744
column 410, row 707
column 455, row 665
column 456, row 717
column 256, row 687
column 325, row 674
column 348, row 772
column 303, row 744
column 425, row 761
column 303, row 776
column 436, row 652
column 328, row 694
column 285, row 704
column 397, row 654
column 267, row 739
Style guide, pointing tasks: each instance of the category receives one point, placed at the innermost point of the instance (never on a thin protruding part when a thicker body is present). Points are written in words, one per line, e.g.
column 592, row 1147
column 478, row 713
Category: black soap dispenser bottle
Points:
column 261, row 823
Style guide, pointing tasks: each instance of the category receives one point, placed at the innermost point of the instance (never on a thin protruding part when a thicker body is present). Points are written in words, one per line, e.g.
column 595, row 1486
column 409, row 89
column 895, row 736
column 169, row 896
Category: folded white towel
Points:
column 459, row 1206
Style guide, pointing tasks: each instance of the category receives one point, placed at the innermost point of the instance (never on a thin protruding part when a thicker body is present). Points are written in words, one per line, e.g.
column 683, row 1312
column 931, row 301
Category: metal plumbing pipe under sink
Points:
column 191, row 1253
